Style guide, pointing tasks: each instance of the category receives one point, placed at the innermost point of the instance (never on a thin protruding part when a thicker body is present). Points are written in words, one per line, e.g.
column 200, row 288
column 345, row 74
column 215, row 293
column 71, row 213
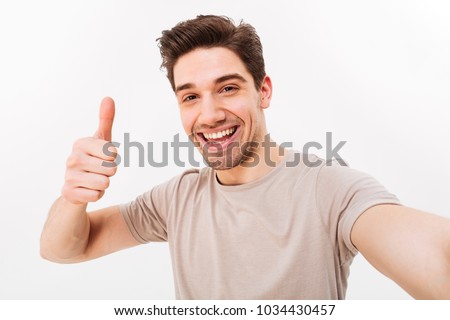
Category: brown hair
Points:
column 207, row 31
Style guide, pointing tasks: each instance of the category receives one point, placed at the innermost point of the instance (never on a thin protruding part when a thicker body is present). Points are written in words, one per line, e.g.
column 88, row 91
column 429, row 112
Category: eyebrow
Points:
column 224, row 78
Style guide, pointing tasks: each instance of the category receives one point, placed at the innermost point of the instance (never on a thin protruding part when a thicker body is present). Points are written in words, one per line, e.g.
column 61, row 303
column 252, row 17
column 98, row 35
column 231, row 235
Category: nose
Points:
column 211, row 113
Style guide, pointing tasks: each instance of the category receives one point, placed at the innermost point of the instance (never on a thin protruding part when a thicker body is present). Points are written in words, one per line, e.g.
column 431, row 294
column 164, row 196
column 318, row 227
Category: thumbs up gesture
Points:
column 106, row 118
column 89, row 168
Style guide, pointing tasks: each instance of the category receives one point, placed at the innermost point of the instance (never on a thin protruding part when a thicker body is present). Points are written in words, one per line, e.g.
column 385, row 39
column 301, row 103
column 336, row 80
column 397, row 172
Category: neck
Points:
column 265, row 160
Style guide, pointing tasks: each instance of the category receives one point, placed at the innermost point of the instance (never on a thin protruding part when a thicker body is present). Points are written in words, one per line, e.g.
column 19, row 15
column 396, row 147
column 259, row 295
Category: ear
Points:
column 266, row 92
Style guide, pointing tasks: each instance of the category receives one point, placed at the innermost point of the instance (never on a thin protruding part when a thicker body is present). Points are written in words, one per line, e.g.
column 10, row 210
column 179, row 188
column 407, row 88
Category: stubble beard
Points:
column 235, row 153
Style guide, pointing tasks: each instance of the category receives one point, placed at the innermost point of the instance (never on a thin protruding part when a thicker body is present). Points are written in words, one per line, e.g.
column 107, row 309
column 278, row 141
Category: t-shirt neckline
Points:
column 256, row 182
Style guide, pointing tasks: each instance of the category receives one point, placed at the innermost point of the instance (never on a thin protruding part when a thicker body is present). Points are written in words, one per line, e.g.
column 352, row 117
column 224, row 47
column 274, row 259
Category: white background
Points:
column 376, row 74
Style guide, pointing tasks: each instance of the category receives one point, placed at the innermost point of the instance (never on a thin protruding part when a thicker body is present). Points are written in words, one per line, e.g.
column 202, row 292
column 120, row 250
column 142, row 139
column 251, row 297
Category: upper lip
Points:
column 215, row 130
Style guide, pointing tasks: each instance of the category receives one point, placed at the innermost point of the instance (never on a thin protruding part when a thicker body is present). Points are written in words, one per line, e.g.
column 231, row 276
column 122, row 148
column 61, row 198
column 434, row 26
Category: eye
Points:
column 189, row 98
column 230, row 89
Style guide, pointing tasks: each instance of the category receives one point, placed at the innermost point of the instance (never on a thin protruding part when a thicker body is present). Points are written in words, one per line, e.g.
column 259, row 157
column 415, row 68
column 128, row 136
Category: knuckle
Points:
column 114, row 151
column 78, row 144
column 104, row 183
column 96, row 195
column 64, row 190
column 110, row 170
column 109, row 151
column 69, row 177
column 73, row 161
column 113, row 170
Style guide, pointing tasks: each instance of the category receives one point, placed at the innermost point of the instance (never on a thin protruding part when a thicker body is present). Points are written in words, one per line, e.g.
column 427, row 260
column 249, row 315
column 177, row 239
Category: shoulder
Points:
column 307, row 167
column 185, row 181
column 334, row 175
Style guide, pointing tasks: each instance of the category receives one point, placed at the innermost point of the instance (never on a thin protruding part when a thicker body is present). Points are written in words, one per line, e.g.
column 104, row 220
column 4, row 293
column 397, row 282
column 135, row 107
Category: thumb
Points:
column 106, row 118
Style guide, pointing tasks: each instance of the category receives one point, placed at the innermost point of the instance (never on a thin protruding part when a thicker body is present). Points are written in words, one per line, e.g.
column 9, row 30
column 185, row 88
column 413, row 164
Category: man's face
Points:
column 220, row 108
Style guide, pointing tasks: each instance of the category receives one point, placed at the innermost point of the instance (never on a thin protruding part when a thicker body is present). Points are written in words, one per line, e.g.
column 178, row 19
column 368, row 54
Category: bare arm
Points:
column 66, row 231
column 70, row 234
column 409, row 246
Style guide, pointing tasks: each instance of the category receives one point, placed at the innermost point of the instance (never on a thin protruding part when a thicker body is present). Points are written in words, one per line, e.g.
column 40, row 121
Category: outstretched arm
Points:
column 409, row 246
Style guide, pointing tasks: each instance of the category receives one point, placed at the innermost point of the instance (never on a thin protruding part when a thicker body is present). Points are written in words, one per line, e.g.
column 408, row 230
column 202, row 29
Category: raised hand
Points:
column 89, row 167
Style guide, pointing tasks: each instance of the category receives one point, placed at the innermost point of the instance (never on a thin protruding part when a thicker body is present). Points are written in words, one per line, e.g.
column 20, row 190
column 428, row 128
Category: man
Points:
column 258, row 223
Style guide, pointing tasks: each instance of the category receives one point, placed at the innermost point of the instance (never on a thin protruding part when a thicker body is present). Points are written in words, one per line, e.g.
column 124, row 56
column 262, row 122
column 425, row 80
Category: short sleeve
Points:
column 145, row 216
column 342, row 195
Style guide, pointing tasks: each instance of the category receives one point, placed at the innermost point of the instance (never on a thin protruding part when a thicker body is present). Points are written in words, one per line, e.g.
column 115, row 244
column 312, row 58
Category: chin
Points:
column 227, row 162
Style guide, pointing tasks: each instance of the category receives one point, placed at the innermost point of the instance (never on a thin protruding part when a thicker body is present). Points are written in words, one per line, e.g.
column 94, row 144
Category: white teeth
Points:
column 220, row 134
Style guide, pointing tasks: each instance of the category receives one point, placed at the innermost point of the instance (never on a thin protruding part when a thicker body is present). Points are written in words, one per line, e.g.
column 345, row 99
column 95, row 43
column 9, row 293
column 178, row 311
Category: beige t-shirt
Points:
column 283, row 236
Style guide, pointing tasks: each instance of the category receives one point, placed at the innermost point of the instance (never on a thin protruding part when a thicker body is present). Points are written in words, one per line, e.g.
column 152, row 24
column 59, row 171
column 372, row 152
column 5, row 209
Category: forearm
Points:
column 437, row 284
column 428, row 275
column 444, row 285
column 66, row 232
column 440, row 280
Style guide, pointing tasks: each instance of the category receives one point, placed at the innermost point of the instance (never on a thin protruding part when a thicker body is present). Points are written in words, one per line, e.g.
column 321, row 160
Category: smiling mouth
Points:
column 219, row 137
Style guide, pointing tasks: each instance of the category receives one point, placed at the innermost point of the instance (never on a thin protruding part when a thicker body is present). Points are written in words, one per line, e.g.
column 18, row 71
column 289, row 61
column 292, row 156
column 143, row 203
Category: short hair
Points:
column 208, row 31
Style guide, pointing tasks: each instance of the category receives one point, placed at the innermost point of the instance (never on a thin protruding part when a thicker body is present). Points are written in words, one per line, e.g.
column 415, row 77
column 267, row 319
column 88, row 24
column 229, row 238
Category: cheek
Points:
column 188, row 120
column 246, row 110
